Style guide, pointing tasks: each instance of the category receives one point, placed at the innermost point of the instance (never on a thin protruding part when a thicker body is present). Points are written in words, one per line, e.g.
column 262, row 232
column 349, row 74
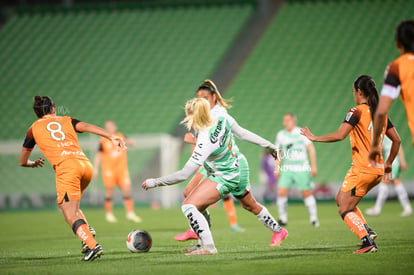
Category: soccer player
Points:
column 292, row 167
column 57, row 139
column 399, row 81
column 362, row 176
column 115, row 172
column 398, row 165
column 215, row 150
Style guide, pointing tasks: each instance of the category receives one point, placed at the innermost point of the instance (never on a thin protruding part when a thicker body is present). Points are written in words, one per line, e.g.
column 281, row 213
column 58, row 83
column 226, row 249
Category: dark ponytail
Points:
column 366, row 85
column 43, row 105
column 405, row 35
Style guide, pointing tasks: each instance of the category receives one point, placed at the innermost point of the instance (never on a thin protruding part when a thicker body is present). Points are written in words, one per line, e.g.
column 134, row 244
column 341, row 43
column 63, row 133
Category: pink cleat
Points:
column 278, row 237
column 188, row 235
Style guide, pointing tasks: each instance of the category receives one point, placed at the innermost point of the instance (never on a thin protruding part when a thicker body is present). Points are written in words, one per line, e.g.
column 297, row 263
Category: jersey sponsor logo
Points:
column 216, row 133
column 196, row 155
column 65, row 153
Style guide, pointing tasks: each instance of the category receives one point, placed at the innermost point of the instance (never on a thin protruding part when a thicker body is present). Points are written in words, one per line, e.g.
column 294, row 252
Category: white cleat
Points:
column 133, row 217
column 201, row 250
column 111, row 218
column 406, row 213
column 315, row 223
column 372, row 212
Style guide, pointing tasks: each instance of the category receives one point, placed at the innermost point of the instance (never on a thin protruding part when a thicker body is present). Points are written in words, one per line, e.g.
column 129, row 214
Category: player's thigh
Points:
column 347, row 201
column 195, row 180
column 205, row 194
column 68, row 181
column 303, row 180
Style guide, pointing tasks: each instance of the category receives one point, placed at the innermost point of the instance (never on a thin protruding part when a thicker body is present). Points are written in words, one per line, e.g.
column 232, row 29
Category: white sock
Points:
column 403, row 197
column 267, row 219
column 310, row 203
column 382, row 197
column 282, row 204
column 199, row 224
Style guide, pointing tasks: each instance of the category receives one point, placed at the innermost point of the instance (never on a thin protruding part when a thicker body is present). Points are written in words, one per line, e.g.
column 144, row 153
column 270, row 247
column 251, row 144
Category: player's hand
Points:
column 387, row 172
column 304, row 131
column 314, row 171
column 273, row 151
column 119, row 142
column 374, row 155
column 38, row 163
column 190, row 138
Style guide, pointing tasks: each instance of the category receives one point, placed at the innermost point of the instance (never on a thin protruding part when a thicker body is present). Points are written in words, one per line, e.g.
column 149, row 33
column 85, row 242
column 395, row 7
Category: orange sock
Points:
column 108, row 205
column 354, row 222
column 81, row 229
column 129, row 205
column 359, row 213
column 230, row 210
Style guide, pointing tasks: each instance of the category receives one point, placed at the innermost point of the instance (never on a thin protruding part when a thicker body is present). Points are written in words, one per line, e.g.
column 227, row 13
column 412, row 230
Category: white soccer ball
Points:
column 139, row 241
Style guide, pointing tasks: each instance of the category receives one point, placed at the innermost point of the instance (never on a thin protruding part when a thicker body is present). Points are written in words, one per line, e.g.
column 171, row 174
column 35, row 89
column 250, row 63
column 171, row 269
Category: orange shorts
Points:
column 112, row 177
column 359, row 182
column 72, row 177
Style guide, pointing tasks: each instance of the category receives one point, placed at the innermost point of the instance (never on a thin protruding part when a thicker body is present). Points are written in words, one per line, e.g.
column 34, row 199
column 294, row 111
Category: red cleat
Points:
column 188, row 235
column 278, row 237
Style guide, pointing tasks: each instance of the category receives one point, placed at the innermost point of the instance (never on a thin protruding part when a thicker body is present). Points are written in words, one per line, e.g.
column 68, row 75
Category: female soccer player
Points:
column 292, row 167
column 57, row 139
column 115, row 172
column 362, row 176
column 215, row 150
column 398, row 81
column 398, row 165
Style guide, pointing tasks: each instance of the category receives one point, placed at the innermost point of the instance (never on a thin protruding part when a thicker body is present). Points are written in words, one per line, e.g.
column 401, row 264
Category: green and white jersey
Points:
column 219, row 111
column 215, row 149
column 386, row 149
column 293, row 150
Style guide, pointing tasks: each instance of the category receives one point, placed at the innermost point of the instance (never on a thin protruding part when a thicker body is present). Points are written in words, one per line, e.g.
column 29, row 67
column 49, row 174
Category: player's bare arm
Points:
column 312, row 157
column 26, row 162
column 339, row 135
column 90, row 128
column 395, row 147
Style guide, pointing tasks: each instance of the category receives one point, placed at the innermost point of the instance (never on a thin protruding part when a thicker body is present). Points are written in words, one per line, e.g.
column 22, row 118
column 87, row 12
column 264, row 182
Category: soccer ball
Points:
column 139, row 241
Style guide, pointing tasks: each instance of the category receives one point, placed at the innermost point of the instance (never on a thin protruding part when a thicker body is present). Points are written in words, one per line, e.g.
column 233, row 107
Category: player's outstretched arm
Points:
column 401, row 156
column 245, row 135
column 90, row 128
column 189, row 169
column 395, row 147
column 25, row 162
column 339, row 135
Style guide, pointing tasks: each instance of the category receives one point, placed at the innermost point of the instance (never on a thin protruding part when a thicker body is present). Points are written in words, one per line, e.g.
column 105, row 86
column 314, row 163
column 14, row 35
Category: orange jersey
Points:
column 56, row 137
column 112, row 156
column 359, row 117
column 399, row 80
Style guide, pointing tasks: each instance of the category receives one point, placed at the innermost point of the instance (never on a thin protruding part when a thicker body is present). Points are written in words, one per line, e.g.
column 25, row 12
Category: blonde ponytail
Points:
column 198, row 116
column 219, row 99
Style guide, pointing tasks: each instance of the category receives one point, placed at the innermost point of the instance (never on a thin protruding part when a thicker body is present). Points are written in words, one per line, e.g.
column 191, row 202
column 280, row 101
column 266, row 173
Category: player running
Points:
column 398, row 165
column 115, row 172
column 292, row 167
column 362, row 176
column 215, row 150
column 57, row 139
column 399, row 81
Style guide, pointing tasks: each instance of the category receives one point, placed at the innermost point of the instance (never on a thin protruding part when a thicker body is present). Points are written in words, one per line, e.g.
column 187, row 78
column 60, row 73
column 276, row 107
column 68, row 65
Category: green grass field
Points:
column 40, row 242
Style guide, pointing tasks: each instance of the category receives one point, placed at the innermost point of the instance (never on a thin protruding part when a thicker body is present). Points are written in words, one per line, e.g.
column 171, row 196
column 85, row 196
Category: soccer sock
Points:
column 230, row 210
column 359, row 214
column 381, row 198
column 199, row 224
column 310, row 203
column 403, row 197
column 108, row 205
column 129, row 204
column 354, row 222
column 81, row 229
column 282, row 208
column 267, row 219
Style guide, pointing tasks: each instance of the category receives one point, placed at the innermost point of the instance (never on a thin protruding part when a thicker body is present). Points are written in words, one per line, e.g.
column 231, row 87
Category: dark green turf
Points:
column 41, row 243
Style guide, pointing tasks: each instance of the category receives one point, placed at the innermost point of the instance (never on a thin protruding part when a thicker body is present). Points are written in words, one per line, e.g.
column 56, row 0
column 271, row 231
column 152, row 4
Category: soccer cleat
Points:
column 191, row 249
column 372, row 212
column 84, row 246
column 237, row 228
column 282, row 223
column 367, row 246
column 131, row 216
column 278, row 237
column 111, row 218
column 202, row 250
column 372, row 234
column 406, row 213
column 315, row 223
column 92, row 254
column 188, row 235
